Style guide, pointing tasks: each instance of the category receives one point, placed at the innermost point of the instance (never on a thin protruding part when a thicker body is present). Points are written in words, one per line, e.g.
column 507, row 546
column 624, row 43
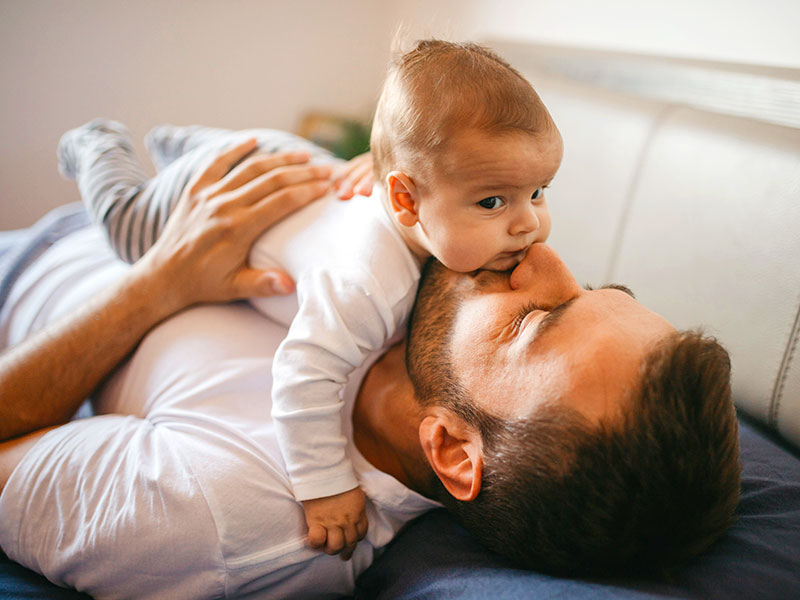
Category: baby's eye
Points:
column 491, row 203
column 537, row 193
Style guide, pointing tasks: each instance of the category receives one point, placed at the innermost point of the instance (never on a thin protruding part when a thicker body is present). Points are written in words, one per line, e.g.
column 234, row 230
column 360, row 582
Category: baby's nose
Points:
column 525, row 221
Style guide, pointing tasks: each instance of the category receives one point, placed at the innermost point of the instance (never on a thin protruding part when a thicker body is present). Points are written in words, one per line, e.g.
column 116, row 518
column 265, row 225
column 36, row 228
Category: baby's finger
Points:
column 219, row 166
column 317, row 536
column 258, row 165
column 362, row 526
column 350, row 535
column 359, row 182
column 364, row 185
column 344, row 189
column 335, row 542
column 347, row 553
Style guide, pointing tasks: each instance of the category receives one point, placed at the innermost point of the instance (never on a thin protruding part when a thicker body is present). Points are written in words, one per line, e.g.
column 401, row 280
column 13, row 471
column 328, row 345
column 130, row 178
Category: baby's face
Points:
column 484, row 204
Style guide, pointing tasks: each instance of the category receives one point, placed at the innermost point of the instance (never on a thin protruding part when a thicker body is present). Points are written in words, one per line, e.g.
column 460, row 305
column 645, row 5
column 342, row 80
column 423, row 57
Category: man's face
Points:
column 534, row 335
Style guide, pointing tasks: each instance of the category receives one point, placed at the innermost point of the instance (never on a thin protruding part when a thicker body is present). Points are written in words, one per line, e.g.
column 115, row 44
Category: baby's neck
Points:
column 412, row 236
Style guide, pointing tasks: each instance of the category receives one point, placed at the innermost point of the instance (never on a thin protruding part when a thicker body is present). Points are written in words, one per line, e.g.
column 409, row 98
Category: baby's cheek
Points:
column 545, row 224
column 463, row 254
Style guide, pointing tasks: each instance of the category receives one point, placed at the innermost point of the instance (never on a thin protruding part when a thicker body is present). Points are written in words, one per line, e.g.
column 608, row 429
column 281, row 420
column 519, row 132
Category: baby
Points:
column 463, row 150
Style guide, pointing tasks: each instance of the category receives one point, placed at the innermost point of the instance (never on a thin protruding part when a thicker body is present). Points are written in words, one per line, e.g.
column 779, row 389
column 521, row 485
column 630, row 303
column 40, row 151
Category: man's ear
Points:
column 453, row 450
column 403, row 197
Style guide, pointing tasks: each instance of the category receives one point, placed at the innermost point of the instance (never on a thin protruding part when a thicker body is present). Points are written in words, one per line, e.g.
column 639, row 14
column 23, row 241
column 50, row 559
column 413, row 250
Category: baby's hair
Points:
column 438, row 87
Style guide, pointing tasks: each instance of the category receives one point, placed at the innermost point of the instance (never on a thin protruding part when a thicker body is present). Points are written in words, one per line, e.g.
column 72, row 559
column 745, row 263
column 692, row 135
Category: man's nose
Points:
column 524, row 220
column 543, row 272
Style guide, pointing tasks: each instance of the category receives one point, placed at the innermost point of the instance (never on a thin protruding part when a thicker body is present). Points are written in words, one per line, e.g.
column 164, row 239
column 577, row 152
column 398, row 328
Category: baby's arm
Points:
column 341, row 320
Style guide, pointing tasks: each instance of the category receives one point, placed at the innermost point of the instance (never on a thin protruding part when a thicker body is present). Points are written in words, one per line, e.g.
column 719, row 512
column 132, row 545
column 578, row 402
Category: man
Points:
column 536, row 403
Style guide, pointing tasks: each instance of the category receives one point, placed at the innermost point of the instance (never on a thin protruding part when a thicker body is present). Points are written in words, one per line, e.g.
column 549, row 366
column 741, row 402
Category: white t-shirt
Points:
column 179, row 490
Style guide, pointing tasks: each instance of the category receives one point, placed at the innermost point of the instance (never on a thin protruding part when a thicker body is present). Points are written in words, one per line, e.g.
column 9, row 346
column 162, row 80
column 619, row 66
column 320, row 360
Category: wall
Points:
column 763, row 32
column 233, row 64
column 254, row 62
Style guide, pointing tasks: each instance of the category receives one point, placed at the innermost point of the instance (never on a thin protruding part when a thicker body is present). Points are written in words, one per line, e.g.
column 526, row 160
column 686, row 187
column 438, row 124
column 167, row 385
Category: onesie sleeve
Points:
column 343, row 317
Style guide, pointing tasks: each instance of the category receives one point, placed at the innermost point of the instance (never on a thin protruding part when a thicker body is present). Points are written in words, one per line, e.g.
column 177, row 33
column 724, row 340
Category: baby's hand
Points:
column 336, row 523
column 354, row 177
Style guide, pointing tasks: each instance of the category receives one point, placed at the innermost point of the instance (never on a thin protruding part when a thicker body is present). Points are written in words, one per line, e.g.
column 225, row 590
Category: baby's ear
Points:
column 403, row 198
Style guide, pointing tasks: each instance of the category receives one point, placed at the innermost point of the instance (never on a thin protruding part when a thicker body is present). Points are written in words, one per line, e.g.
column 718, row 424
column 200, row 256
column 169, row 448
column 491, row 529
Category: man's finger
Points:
column 218, row 167
column 276, row 206
column 256, row 166
column 279, row 178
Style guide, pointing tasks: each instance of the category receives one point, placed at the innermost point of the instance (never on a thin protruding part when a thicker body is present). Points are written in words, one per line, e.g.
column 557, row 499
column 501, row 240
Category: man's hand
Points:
column 206, row 242
column 336, row 523
column 354, row 177
column 201, row 256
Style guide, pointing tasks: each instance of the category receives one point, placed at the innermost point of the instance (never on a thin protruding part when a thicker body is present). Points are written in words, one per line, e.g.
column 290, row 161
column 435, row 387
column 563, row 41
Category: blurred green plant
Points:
column 354, row 139
column 345, row 137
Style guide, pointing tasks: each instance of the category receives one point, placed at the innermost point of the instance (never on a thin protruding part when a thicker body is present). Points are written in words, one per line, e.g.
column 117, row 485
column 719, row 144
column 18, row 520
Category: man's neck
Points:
column 386, row 419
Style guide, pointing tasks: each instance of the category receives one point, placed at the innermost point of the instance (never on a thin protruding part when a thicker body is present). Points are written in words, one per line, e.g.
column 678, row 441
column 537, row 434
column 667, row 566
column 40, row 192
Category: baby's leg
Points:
column 167, row 143
column 131, row 207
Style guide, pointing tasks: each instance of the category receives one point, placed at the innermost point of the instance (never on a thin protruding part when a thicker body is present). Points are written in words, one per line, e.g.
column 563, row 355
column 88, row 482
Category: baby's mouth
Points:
column 516, row 254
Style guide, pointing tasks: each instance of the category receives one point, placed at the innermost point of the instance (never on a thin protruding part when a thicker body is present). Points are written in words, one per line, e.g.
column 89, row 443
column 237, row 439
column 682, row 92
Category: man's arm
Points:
column 200, row 257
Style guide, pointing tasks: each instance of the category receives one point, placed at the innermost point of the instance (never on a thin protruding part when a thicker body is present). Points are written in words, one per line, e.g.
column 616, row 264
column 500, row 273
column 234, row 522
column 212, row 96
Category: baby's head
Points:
column 464, row 148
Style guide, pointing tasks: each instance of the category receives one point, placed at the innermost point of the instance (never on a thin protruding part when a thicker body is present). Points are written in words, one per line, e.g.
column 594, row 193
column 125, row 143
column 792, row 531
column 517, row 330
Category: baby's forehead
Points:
column 489, row 150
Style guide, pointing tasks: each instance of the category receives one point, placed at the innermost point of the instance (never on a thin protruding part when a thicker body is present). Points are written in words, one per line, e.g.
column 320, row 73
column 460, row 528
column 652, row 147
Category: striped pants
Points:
column 133, row 207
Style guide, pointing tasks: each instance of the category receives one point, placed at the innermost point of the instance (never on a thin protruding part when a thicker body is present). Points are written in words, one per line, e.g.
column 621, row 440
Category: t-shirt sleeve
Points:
column 342, row 318
column 110, row 505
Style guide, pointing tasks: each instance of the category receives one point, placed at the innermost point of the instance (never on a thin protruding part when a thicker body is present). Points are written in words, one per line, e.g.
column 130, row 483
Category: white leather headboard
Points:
column 691, row 196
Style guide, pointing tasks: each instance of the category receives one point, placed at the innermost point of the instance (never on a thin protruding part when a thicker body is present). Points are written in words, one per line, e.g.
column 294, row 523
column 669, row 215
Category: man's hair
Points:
column 640, row 494
column 440, row 87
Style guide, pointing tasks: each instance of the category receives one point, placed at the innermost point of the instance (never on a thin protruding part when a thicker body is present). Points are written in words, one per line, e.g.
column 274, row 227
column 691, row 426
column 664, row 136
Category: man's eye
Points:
column 491, row 202
column 522, row 313
column 537, row 193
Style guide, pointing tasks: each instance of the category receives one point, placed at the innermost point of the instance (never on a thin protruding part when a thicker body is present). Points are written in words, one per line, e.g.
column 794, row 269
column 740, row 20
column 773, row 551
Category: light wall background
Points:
column 248, row 63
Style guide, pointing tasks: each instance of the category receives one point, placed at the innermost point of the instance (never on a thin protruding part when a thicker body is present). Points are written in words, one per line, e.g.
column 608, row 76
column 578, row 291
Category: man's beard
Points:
column 429, row 331
column 428, row 357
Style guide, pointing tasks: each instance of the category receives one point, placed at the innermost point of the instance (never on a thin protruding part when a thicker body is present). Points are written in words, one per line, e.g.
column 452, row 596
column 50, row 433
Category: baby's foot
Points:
column 90, row 140
column 163, row 144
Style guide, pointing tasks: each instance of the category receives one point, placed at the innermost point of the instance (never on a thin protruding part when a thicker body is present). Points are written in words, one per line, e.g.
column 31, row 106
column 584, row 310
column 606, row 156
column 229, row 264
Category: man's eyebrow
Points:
column 555, row 315
column 613, row 286
column 620, row 287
